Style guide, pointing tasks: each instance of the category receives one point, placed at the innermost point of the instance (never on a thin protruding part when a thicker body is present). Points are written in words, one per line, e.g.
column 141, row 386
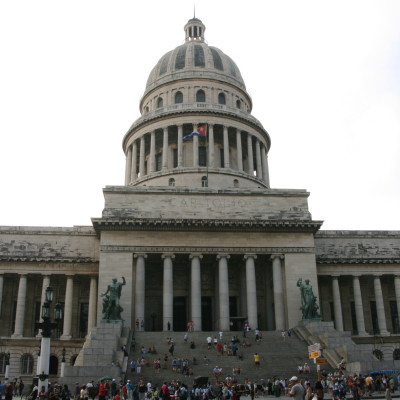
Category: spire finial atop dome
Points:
column 194, row 29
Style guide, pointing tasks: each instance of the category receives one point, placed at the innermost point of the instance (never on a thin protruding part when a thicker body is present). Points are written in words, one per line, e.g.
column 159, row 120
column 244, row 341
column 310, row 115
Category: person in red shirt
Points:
column 124, row 392
column 102, row 391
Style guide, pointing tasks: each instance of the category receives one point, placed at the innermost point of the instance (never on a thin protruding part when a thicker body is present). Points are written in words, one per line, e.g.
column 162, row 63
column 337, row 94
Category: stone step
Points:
column 278, row 357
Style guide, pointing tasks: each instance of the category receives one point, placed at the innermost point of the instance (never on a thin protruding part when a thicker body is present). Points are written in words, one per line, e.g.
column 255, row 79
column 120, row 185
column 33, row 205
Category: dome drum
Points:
column 225, row 148
column 189, row 87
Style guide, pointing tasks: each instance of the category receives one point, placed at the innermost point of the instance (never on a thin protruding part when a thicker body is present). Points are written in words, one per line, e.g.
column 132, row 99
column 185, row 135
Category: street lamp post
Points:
column 46, row 327
column 63, row 363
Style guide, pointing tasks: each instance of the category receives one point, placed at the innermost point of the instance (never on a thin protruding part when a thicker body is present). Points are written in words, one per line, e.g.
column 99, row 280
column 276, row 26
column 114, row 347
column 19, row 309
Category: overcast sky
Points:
column 324, row 77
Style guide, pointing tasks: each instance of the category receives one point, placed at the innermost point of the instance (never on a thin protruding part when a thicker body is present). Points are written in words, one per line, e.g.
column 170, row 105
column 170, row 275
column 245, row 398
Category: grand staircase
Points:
column 278, row 357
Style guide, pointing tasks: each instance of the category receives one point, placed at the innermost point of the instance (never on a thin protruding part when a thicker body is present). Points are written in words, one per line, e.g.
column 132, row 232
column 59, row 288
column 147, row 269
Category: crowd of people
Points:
column 335, row 386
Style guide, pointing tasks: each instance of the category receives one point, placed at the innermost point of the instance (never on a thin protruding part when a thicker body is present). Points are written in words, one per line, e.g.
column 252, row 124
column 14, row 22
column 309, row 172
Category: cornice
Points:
column 205, row 225
column 66, row 260
column 342, row 261
column 204, row 250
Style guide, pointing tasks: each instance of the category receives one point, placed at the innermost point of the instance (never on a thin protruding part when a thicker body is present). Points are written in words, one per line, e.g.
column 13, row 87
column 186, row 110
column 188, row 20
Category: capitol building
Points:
column 198, row 234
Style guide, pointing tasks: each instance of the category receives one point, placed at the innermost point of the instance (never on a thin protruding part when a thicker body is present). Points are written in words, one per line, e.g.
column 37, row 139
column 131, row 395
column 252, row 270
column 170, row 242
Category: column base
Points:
column 362, row 334
column 16, row 336
column 384, row 333
column 65, row 337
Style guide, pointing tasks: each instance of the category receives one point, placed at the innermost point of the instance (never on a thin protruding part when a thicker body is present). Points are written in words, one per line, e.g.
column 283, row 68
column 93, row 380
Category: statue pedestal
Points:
column 101, row 354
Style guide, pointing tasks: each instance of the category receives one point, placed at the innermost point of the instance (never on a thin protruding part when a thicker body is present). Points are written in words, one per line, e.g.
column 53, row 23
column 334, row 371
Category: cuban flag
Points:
column 200, row 131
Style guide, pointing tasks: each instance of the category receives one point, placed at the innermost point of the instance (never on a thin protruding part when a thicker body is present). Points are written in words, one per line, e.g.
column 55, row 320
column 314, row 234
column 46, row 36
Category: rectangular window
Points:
column 175, row 156
column 222, row 156
column 353, row 317
column 202, row 156
column 60, row 327
column 374, row 317
column 394, row 314
column 83, row 319
column 37, row 315
column 331, row 309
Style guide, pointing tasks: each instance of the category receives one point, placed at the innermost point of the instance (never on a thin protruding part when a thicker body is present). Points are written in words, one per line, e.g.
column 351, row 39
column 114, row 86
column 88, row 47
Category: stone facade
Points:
column 197, row 232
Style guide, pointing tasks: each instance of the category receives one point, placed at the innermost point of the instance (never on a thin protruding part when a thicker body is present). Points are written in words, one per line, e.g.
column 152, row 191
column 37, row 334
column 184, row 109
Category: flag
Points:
column 200, row 131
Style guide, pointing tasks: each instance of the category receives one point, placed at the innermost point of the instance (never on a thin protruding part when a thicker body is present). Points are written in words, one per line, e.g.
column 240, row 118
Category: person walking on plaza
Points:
column 296, row 389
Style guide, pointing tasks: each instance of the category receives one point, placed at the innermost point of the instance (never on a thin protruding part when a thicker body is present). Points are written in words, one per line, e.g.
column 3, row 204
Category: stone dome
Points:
column 195, row 58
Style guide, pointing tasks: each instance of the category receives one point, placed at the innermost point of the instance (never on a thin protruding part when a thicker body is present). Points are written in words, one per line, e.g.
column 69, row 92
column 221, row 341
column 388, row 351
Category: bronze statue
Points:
column 309, row 306
column 111, row 306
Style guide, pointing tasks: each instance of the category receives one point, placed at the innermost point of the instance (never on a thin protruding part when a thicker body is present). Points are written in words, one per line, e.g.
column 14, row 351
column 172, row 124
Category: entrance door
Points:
column 206, row 313
column 180, row 314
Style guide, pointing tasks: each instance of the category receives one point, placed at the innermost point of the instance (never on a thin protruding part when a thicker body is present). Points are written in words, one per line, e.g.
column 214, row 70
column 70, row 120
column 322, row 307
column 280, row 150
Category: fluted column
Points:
column 226, row 148
column 180, row 145
column 92, row 303
column 168, row 292
column 196, row 291
column 69, row 295
column 165, row 149
column 211, row 149
column 380, row 308
column 359, row 306
column 264, row 162
column 223, row 285
column 152, row 151
column 250, row 162
column 21, row 304
column 140, row 286
column 278, row 292
column 258, row 160
column 239, row 149
column 337, row 304
column 251, row 290
column 128, row 166
column 1, row 290
column 134, row 161
column 142, row 157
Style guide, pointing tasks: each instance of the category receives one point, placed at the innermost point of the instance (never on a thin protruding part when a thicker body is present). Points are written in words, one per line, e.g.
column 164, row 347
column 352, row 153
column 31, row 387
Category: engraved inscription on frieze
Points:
column 210, row 203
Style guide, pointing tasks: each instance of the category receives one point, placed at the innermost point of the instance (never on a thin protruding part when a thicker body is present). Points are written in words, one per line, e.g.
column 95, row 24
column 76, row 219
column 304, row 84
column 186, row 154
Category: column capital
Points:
column 167, row 255
column 195, row 255
column 357, row 276
column 335, row 277
column 250, row 255
column 137, row 255
column 220, row 256
column 280, row 256
column 377, row 275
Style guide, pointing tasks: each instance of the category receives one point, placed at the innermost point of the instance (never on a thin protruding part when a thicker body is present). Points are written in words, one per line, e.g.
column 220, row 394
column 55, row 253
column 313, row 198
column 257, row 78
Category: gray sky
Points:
column 324, row 77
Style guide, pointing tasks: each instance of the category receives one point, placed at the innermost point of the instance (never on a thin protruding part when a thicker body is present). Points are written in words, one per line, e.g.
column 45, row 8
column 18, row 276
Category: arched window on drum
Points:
column 200, row 96
column 178, row 97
